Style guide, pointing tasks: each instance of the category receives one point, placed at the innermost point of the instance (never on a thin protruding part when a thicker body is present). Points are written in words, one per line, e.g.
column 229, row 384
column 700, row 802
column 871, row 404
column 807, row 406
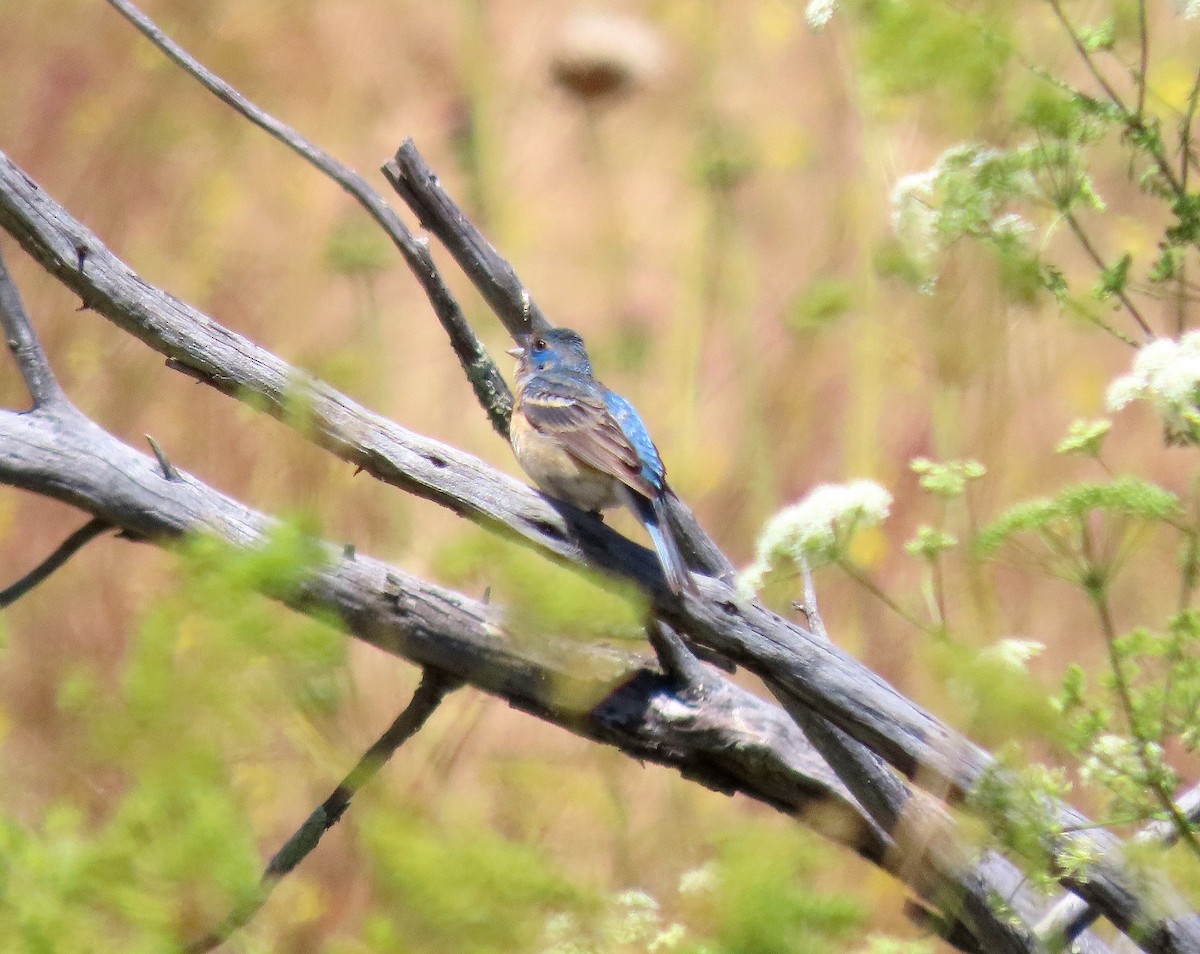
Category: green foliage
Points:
column 949, row 479
column 931, row 48
column 992, row 689
column 822, row 303
column 1100, row 38
column 1155, row 684
column 1060, row 522
column 766, row 903
column 1085, row 438
column 1020, row 804
column 547, row 600
column 214, row 677
column 929, row 543
column 458, row 888
column 878, row 944
column 1113, row 278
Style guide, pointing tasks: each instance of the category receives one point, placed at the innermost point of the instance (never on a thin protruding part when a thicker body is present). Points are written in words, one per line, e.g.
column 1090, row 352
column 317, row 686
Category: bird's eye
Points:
column 539, row 344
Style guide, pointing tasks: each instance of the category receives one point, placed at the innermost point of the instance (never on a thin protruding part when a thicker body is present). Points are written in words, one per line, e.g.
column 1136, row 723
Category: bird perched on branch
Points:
column 586, row 445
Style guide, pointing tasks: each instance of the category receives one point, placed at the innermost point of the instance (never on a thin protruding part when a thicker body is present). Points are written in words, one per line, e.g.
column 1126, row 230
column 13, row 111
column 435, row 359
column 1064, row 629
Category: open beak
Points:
column 516, row 352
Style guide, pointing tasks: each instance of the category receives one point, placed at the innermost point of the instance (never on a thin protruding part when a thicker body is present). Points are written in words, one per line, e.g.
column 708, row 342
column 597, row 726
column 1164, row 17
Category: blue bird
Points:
column 586, row 445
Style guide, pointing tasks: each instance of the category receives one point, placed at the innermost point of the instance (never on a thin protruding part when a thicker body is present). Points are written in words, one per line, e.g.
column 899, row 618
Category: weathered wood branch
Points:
column 22, row 342
column 794, row 663
column 719, row 734
column 708, row 729
column 817, row 674
column 1067, row 918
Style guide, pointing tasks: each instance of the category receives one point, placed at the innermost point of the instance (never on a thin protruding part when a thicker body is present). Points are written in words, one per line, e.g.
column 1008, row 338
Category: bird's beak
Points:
column 516, row 352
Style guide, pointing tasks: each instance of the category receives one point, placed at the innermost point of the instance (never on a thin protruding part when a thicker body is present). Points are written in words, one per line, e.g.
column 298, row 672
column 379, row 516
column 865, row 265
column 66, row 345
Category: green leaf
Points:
column 1126, row 496
column 1098, row 39
column 1084, row 437
column 1113, row 278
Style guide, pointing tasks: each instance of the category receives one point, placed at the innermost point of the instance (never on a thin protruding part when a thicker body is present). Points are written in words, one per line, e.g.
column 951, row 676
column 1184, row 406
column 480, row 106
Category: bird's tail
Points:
column 653, row 514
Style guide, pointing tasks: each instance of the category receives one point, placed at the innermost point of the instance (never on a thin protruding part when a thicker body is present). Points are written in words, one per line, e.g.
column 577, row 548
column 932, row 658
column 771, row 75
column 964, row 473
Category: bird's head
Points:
column 557, row 349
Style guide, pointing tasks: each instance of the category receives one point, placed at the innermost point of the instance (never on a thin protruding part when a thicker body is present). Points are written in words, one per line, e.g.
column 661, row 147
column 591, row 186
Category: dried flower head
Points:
column 603, row 56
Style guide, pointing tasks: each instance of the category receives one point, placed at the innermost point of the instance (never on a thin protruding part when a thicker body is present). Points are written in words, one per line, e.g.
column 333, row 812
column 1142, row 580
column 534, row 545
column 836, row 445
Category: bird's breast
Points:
column 557, row 472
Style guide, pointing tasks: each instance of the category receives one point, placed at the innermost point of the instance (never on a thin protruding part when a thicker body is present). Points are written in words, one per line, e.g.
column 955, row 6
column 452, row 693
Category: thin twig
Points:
column 1098, row 260
column 488, row 270
column 23, row 342
column 815, row 623
column 480, row 369
column 1144, row 49
column 1185, row 133
column 433, row 688
column 1083, row 53
column 1133, row 121
column 164, row 463
column 67, row 549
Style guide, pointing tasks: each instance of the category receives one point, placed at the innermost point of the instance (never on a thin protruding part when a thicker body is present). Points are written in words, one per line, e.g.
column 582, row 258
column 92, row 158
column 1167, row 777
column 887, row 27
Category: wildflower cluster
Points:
column 1167, row 374
column 818, row 528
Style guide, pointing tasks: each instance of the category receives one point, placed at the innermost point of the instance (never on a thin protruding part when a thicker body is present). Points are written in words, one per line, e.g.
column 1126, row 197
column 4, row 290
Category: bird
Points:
column 586, row 445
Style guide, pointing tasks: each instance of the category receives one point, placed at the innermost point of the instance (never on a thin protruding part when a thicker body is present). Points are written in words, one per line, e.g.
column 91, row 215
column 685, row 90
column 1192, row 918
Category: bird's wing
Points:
column 577, row 415
column 635, row 432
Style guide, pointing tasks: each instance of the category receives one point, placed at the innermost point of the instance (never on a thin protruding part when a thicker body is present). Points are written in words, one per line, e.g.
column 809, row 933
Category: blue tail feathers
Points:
column 653, row 514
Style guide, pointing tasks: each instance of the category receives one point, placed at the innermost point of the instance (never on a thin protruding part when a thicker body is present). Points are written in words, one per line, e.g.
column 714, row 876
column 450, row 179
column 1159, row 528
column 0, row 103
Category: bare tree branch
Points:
column 432, row 689
column 709, row 729
column 488, row 270
column 23, row 343
column 1071, row 915
column 716, row 733
column 490, row 388
column 920, row 828
column 67, row 549
column 809, row 672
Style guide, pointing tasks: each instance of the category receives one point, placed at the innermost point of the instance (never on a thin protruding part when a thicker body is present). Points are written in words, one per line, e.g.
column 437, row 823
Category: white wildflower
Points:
column 562, row 935
column 668, row 939
column 1011, row 224
column 699, row 880
column 1188, row 9
column 1123, row 391
column 1113, row 757
column 1167, row 374
column 964, row 193
column 635, row 919
column 1015, row 653
column 817, row 527
column 818, row 13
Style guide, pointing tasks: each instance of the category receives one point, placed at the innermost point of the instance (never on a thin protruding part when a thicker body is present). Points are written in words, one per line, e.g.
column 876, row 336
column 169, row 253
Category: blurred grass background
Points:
column 721, row 238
